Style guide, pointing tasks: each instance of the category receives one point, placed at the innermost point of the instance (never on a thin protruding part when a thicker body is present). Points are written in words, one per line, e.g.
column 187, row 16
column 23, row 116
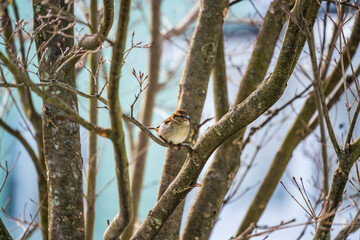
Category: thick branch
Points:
column 4, row 233
column 95, row 40
column 295, row 135
column 356, row 148
column 238, row 117
column 218, row 177
column 92, row 148
column 192, row 92
column 227, row 158
column 125, row 215
column 346, row 158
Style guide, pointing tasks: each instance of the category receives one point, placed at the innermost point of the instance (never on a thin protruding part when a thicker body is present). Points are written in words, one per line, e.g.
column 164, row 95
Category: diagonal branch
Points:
column 26, row 145
column 183, row 24
column 237, row 118
column 297, row 133
column 73, row 115
column 59, row 84
column 353, row 226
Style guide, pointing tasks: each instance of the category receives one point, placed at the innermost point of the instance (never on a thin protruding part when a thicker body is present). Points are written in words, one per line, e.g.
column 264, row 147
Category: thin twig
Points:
column 24, row 236
column 141, row 80
column 352, row 125
column 273, row 113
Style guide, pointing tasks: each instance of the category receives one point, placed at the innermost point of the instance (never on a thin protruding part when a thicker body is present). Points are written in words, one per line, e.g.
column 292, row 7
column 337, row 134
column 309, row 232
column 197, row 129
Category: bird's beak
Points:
column 187, row 117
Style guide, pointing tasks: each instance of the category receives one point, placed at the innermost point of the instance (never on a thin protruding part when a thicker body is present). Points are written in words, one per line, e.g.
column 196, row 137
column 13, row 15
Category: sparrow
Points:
column 174, row 129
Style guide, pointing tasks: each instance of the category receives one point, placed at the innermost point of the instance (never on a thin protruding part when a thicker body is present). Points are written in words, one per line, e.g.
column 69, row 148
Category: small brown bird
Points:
column 174, row 129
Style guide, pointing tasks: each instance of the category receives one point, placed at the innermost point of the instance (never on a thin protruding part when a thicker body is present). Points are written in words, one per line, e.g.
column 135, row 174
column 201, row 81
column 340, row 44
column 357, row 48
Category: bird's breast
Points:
column 173, row 132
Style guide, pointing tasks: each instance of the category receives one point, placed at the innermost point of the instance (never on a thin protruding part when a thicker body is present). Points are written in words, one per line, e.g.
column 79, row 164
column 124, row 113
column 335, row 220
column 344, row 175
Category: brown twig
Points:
column 273, row 113
column 310, row 210
column 29, row 230
column 141, row 80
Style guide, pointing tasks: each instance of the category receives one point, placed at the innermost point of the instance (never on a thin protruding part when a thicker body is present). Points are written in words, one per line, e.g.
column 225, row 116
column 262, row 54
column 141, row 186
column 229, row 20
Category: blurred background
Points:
column 19, row 198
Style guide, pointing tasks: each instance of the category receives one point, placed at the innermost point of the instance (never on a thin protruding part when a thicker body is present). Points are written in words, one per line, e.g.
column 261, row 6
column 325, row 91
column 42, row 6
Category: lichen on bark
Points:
column 61, row 136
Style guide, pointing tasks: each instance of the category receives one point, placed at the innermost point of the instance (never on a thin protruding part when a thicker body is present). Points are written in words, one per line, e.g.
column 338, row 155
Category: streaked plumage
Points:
column 174, row 129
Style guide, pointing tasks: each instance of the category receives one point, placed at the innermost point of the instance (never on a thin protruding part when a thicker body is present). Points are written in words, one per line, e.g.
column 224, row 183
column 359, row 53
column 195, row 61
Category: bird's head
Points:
column 181, row 115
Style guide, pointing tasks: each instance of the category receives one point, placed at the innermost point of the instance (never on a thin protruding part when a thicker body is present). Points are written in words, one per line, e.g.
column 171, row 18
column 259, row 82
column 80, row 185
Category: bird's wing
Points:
column 167, row 121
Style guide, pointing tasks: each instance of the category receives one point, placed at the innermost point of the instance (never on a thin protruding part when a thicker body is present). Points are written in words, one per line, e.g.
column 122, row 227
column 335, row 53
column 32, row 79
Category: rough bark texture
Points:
column 30, row 112
column 295, row 135
column 222, row 171
column 125, row 215
column 238, row 117
column 4, row 233
column 61, row 136
column 172, row 166
column 346, row 159
column 92, row 147
column 192, row 93
column 334, row 198
column 139, row 154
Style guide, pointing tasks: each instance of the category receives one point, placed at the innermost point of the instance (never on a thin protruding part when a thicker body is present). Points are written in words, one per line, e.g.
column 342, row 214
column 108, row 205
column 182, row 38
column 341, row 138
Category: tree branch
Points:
column 147, row 109
column 298, row 131
column 322, row 110
column 24, row 142
column 73, row 115
column 237, row 118
column 199, row 63
column 59, row 84
column 92, row 147
column 225, row 163
column 320, row 96
column 183, row 24
column 125, row 215
column 353, row 123
column 93, row 41
column 353, row 226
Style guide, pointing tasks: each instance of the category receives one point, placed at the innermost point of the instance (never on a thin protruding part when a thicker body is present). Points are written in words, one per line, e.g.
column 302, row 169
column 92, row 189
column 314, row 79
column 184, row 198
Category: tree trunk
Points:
column 61, row 136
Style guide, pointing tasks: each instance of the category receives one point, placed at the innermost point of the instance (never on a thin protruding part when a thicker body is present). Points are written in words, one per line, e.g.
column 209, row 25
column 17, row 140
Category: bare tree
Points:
column 61, row 53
